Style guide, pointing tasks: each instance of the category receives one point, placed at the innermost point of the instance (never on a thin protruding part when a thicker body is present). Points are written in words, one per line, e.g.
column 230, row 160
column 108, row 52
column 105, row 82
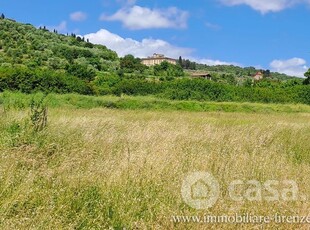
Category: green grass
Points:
column 20, row 101
column 99, row 168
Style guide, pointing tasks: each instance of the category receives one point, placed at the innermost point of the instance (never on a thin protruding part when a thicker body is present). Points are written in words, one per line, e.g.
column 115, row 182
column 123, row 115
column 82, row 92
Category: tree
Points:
column 130, row 64
column 307, row 80
column 81, row 71
column 180, row 61
column 266, row 73
column 187, row 64
column 2, row 16
column 192, row 65
column 168, row 69
column 88, row 45
column 248, row 82
column 79, row 39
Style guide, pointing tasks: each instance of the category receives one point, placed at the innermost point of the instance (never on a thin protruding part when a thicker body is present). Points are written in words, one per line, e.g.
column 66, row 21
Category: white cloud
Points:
column 265, row 6
column 215, row 62
column 294, row 66
column 143, row 48
column 137, row 17
column 146, row 47
column 78, row 16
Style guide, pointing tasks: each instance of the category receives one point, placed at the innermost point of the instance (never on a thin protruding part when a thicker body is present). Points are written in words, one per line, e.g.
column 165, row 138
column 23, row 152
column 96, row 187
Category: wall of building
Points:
column 157, row 61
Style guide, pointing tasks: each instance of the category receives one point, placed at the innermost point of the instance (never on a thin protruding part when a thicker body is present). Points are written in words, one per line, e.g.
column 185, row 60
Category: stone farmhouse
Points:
column 258, row 76
column 206, row 76
column 156, row 59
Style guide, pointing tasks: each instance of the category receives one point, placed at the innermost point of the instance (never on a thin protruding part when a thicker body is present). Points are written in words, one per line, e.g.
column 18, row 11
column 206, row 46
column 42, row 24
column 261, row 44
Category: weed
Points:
column 38, row 113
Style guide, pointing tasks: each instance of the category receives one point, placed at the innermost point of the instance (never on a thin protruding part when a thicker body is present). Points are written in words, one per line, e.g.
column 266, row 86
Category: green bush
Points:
column 33, row 80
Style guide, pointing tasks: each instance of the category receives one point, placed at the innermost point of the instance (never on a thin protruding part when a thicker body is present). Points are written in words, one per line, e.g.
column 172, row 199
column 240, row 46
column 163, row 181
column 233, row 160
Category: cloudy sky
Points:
column 269, row 34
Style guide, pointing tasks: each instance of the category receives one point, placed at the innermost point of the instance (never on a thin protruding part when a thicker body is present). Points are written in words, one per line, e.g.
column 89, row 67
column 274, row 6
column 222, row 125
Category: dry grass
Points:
column 101, row 168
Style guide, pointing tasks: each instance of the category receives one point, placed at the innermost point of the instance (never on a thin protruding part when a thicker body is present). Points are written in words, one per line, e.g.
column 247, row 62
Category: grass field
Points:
column 21, row 101
column 100, row 168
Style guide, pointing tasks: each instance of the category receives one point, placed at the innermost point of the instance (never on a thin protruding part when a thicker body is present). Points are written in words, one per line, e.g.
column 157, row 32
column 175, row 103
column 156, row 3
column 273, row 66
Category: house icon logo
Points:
column 200, row 190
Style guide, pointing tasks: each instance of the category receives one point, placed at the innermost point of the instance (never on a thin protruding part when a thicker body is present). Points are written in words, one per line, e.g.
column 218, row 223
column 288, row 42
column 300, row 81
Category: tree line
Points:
column 33, row 80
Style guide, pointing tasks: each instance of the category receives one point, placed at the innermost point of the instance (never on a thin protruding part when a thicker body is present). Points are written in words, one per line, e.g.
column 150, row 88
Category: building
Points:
column 156, row 59
column 258, row 76
column 206, row 76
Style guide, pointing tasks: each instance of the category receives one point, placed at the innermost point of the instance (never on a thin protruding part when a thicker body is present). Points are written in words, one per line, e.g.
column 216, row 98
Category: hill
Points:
column 244, row 71
column 23, row 44
column 233, row 74
column 35, row 59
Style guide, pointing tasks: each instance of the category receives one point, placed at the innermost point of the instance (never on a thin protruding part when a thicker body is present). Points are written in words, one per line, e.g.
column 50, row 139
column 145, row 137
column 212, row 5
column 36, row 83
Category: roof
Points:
column 259, row 73
column 200, row 74
column 158, row 57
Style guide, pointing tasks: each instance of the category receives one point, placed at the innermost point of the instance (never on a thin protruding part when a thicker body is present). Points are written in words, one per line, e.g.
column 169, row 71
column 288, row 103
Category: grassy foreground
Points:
column 103, row 168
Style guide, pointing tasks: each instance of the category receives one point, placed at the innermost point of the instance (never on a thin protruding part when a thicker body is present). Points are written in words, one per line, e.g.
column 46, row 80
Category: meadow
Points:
column 119, row 162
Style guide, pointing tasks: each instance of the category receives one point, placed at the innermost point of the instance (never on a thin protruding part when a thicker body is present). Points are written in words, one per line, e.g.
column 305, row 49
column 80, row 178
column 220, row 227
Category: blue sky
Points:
column 269, row 34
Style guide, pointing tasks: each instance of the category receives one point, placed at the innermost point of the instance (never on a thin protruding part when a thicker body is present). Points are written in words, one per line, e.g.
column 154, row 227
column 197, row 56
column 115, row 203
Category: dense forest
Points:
column 36, row 59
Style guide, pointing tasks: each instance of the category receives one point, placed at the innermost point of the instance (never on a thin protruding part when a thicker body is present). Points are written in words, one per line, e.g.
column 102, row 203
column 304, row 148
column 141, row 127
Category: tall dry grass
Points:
column 101, row 168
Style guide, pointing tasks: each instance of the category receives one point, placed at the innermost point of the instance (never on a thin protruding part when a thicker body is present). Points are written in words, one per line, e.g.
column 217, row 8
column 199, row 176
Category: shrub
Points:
column 38, row 113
